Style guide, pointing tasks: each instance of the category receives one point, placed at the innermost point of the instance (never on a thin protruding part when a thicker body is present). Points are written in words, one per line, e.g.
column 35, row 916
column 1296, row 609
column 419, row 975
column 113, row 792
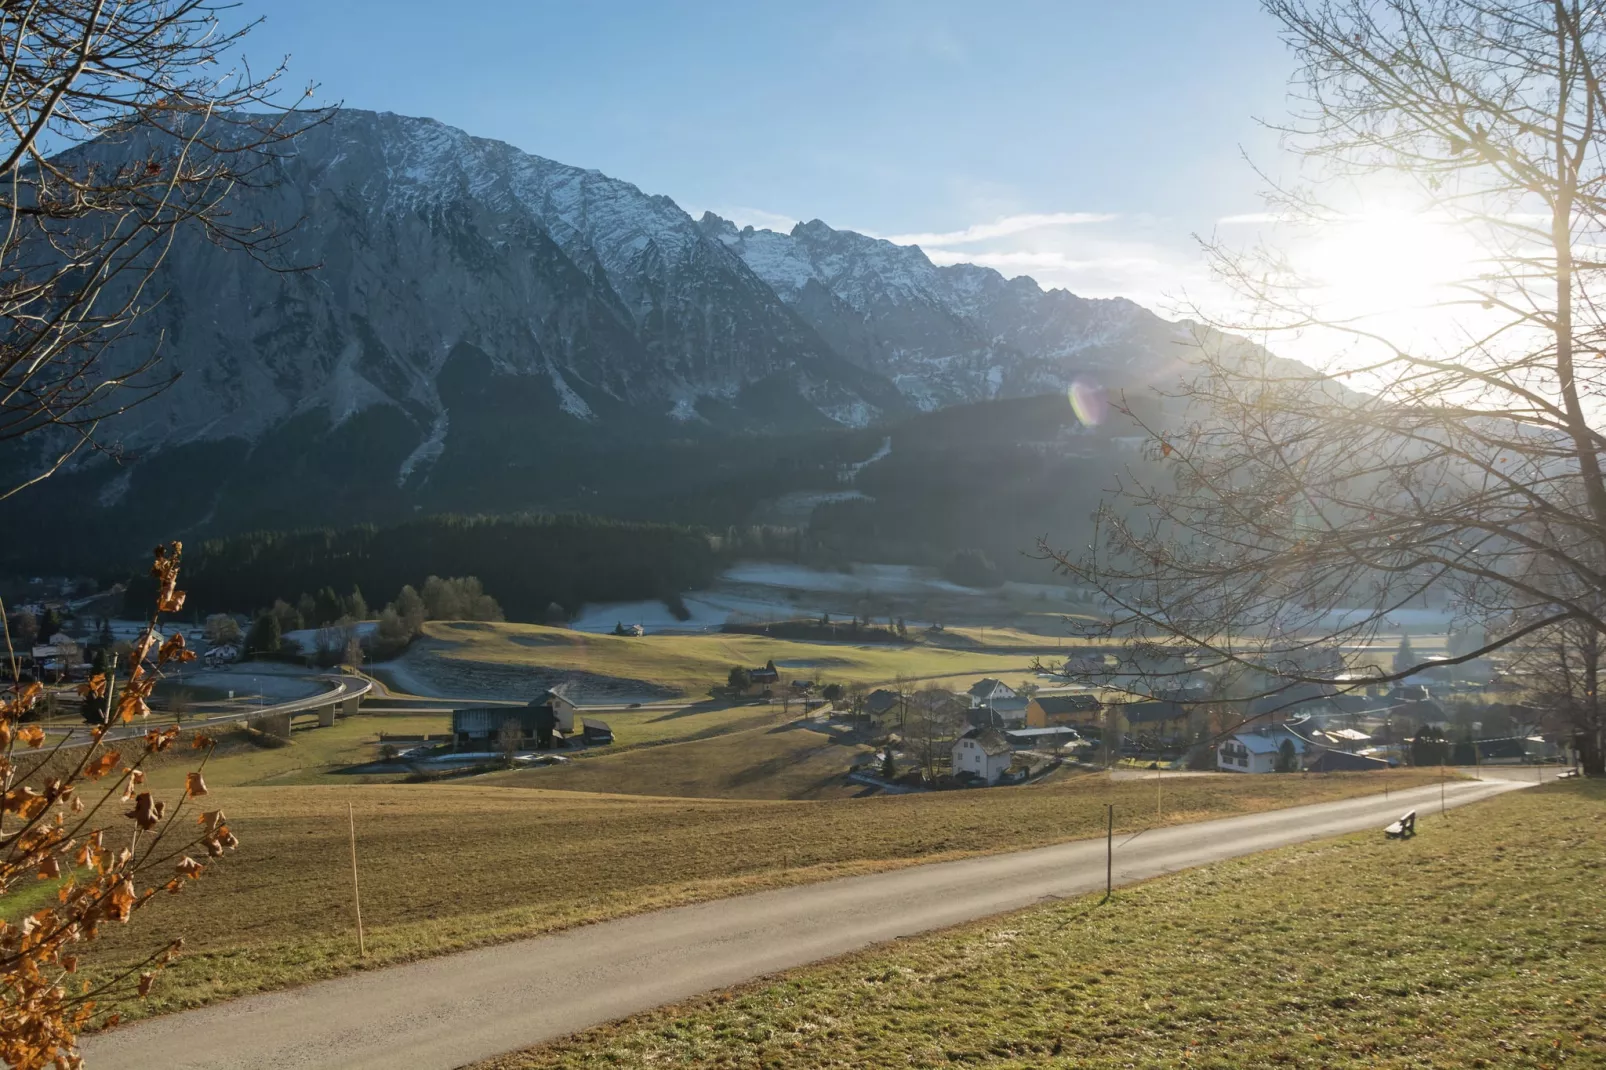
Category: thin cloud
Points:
column 1014, row 224
column 1253, row 217
column 1001, row 260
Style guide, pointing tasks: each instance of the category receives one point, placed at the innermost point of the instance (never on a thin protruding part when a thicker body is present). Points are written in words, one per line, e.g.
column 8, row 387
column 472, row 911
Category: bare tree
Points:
column 1562, row 667
column 222, row 628
column 930, row 727
column 1283, row 514
column 123, row 124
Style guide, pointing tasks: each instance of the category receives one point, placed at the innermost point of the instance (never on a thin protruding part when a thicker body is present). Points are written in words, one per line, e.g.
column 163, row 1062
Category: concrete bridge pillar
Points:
column 326, row 715
column 350, row 705
column 274, row 724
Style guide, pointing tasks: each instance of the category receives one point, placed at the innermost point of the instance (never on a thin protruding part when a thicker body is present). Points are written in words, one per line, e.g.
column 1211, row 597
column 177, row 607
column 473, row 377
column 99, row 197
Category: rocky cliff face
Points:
column 948, row 335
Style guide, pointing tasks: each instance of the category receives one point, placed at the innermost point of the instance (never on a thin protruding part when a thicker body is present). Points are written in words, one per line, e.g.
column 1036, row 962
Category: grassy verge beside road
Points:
column 1481, row 943
column 446, row 867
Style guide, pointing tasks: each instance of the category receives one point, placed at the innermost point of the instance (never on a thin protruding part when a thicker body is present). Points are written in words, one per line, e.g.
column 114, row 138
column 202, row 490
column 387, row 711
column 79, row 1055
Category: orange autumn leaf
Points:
column 190, row 868
column 102, row 765
column 130, row 705
column 22, row 699
column 194, row 785
column 120, row 900
column 32, row 735
column 146, row 979
column 174, row 650
column 25, row 802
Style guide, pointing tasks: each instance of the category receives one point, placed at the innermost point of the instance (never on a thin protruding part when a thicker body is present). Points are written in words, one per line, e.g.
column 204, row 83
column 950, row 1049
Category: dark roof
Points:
column 983, row 687
column 764, row 675
column 1067, row 703
column 1333, row 761
column 990, row 740
column 983, row 717
column 1153, row 711
column 880, row 701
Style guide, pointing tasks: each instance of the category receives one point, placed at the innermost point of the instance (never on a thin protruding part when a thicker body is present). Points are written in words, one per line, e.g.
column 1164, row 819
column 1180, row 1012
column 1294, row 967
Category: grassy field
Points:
column 786, row 761
column 691, row 664
column 1481, row 943
column 449, row 866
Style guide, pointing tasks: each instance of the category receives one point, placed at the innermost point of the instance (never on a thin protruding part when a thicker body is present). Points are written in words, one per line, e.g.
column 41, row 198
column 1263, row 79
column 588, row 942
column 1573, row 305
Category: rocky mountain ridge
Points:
column 489, row 330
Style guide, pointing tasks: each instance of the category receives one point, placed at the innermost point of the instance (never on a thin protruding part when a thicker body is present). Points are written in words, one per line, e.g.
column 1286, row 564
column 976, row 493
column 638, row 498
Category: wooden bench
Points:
column 1403, row 828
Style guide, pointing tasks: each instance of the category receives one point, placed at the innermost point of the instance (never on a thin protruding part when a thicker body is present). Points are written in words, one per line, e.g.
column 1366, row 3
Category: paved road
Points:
column 448, row 1011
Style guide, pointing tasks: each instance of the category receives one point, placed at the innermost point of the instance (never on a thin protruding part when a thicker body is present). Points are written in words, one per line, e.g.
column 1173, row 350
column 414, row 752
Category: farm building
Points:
column 1045, row 711
column 1055, row 736
column 483, row 727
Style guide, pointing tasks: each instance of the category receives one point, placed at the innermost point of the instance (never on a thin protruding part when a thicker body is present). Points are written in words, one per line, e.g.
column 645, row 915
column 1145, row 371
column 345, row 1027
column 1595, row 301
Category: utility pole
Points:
column 1109, row 852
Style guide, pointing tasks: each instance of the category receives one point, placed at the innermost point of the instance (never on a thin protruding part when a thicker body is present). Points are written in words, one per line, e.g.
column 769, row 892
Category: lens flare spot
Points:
column 1089, row 401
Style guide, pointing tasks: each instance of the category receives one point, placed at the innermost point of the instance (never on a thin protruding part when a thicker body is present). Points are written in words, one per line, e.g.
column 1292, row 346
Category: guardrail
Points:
column 345, row 689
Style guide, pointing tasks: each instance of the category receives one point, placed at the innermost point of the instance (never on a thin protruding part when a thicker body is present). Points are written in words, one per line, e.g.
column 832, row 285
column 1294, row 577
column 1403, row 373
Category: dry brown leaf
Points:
column 32, row 735
column 147, row 812
column 194, row 785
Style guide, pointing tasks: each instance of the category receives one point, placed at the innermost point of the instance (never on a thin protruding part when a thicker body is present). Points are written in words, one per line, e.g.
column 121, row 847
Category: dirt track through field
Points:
column 448, row 1011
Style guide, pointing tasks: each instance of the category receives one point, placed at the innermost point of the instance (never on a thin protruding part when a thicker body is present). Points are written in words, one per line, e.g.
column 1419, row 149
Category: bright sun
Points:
column 1381, row 264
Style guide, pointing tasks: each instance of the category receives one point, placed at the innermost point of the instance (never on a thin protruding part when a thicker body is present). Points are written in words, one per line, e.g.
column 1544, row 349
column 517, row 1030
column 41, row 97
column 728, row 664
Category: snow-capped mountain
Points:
column 427, row 240
column 949, row 334
column 481, row 328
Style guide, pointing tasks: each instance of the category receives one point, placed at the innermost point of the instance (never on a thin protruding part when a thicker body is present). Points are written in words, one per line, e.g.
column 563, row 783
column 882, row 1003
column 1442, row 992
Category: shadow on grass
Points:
column 706, row 706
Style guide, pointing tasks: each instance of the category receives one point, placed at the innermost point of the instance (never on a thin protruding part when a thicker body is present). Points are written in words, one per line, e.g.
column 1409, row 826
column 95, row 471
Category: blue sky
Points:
column 1078, row 142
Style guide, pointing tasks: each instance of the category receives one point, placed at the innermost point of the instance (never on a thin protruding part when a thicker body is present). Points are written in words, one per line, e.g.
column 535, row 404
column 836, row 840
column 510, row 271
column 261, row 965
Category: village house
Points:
column 986, row 692
column 881, row 703
column 762, row 681
column 1163, row 720
column 1258, row 750
column 984, row 752
column 1011, row 711
column 1075, row 710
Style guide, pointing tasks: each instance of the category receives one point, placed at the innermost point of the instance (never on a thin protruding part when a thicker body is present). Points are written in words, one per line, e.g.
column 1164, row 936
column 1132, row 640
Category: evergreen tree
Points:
column 49, row 625
column 329, row 607
column 265, row 637
column 356, row 604
column 1404, row 657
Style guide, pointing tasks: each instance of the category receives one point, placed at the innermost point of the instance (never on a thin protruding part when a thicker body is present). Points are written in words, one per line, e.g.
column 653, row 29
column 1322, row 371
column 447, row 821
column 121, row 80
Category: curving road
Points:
column 448, row 1011
column 342, row 686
